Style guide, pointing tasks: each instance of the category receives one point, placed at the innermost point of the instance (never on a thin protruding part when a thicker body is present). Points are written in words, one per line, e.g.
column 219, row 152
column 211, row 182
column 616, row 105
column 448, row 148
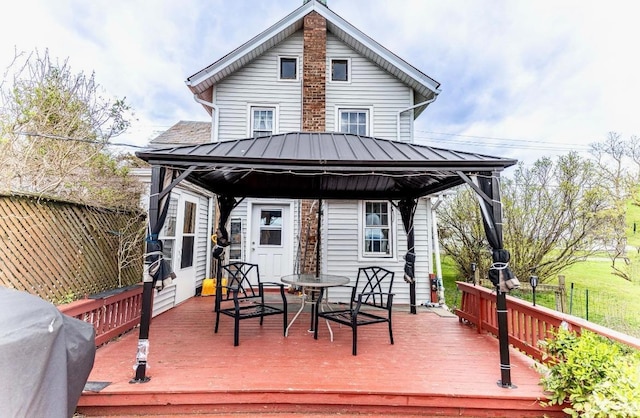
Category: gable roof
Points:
column 184, row 132
column 425, row 87
column 323, row 165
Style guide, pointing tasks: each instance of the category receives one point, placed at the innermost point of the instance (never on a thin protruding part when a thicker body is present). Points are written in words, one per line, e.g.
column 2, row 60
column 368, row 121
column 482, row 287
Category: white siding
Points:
column 202, row 236
column 370, row 86
column 240, row 212
column 258, row 83
column 340, row 252
column 163, row 300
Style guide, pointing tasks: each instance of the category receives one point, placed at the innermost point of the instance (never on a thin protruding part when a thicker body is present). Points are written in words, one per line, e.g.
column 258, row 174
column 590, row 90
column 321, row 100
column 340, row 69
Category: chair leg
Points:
column 315, row 327
column 355, row 340
column 217, row 321
column 390, row 332
column 284, row 321
column 236, row 332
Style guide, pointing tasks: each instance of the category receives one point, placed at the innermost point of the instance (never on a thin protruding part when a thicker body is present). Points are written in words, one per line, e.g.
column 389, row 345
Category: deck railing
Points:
column 528, row 324
column 110, row 315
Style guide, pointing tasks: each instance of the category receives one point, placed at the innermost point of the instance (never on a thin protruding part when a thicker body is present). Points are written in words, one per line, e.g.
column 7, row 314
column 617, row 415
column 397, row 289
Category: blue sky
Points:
column 519, row 78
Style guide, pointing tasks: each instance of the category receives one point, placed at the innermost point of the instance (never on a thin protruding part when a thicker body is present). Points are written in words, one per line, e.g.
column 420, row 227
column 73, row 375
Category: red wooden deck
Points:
column 437, row 367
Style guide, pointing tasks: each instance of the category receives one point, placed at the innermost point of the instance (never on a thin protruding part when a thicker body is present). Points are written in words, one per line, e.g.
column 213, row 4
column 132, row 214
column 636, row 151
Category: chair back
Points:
column 375, row 284
column 239, row 275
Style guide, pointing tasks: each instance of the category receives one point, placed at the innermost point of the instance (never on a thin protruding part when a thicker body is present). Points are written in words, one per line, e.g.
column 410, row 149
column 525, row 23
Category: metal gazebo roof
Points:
column 323, row 165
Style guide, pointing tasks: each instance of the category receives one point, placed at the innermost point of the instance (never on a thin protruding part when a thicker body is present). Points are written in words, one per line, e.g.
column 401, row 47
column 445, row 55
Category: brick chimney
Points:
column 313, row 120
column 314, row 73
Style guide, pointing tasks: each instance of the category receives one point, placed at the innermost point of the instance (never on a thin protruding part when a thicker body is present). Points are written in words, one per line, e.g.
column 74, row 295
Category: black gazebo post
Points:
column 147, row 288
column 491, row 208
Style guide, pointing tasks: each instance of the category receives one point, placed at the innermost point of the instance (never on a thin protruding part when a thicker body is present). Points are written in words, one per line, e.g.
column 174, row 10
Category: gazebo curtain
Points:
column 407, row 208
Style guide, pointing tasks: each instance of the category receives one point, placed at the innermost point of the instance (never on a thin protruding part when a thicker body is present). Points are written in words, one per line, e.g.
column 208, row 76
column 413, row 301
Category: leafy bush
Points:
column 595, row 376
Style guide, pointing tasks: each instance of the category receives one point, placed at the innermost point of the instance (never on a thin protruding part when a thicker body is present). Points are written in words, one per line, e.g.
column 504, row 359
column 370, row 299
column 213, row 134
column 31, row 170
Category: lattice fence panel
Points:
column 60, row 250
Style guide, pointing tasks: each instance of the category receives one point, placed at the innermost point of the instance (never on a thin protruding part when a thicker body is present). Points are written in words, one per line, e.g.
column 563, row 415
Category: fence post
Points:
column 561, row 295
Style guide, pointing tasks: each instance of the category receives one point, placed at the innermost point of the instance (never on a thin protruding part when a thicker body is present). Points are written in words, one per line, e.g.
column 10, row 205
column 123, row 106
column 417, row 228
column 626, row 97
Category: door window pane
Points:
column 189, row 226
column 187, row 251
column 271, row 227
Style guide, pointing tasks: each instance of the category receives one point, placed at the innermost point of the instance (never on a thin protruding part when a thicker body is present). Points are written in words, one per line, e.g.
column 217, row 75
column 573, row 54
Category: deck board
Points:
column 437, row 366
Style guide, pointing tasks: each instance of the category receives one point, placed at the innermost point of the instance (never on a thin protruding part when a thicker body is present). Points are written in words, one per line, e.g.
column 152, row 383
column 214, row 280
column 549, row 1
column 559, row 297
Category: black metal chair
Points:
column 371, row 302
column 248, row 298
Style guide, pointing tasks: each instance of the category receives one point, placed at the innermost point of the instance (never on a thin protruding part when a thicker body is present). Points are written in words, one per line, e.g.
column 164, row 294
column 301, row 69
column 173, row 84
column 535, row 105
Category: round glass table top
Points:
column 312, row 280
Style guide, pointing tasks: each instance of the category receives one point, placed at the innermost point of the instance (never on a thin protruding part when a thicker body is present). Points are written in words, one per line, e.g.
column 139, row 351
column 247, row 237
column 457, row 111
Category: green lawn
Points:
column 612, row 301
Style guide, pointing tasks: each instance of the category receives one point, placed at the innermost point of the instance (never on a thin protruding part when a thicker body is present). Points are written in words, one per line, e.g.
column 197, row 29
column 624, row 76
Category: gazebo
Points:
column 326, row 165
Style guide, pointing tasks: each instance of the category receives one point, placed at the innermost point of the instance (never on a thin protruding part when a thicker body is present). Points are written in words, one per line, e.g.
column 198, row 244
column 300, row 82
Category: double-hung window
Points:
column 188, row 235
column 168, row 233
column 262, row 121
column 377, row 229
column 353, row 121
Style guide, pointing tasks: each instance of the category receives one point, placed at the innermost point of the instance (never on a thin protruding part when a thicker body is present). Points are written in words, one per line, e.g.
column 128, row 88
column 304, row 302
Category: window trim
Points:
column 330, row 68
column 262, row 106
column 362, row 254
column 344, row 108
column 288, row 57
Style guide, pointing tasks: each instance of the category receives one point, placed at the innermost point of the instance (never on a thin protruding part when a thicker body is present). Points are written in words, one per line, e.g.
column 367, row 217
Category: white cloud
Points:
column 546, row 71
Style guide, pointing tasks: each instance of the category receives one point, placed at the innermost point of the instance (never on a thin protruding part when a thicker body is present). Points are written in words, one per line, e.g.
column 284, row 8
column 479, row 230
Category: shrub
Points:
column 595, row 376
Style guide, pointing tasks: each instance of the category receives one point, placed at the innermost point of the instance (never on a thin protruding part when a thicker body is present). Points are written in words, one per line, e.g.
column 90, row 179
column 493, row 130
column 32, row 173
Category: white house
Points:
column 310, row 72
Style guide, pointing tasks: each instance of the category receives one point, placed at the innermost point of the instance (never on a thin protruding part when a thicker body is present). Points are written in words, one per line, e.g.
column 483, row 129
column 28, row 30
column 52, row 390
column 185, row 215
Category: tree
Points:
column 552, row 215
column 611, row 157
column 55, row 129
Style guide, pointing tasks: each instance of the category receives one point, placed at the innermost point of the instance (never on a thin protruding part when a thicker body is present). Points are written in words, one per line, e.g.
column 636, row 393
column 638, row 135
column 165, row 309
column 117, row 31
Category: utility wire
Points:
column 503, row 142
column 84, row 140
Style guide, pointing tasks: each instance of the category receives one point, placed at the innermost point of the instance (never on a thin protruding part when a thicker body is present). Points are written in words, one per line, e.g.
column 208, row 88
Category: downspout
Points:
column 410, row 108
column 209, row 222
column 216, row 116
column 436, row 246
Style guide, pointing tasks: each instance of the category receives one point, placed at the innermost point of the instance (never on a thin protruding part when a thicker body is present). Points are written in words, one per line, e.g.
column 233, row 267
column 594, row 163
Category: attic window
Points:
column 288, row 68
column 339, row 70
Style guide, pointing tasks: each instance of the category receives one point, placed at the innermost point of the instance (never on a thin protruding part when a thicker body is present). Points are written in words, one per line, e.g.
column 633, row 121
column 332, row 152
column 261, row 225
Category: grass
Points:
column 612, row 301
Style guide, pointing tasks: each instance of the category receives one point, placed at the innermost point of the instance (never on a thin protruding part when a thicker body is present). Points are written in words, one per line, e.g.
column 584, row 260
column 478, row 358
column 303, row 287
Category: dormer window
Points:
column 340, row 69
column 288, row 68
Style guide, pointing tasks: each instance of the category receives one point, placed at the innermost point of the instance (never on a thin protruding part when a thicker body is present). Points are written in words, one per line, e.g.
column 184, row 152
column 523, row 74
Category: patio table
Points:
column 311, row 283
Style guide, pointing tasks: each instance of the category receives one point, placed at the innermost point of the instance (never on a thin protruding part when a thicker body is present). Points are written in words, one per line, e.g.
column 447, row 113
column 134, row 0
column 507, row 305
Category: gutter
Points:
column 427, row 102
column 216, row 116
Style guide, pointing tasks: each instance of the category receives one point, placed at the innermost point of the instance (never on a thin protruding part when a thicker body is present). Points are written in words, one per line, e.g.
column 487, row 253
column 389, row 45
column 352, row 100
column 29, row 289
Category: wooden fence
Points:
column 61, row 251
column 527, row 324
column 111, row 315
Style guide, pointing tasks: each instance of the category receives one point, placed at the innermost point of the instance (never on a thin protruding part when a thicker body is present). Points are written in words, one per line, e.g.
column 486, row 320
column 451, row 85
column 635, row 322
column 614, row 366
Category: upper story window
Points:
column 262, row 121
column 288, row 68
column 340, row 70
column 377, row 229
column 353, row 121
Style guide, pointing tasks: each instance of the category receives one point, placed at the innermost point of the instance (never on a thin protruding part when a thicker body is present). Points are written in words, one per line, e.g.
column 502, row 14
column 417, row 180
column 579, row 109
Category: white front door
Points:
column 271, row 240
column 185, row 257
